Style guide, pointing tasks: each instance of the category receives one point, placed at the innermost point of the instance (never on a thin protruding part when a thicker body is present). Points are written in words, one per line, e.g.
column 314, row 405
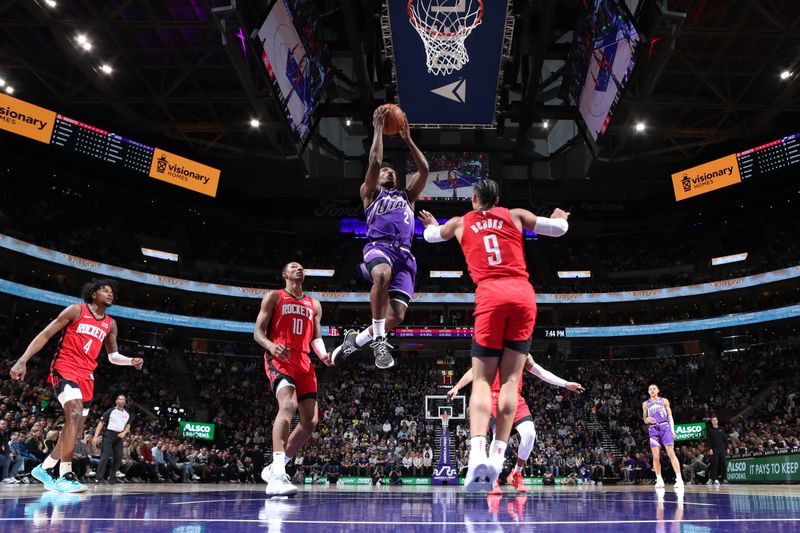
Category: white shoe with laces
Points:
column 383, row 352
column 660, row 483
column 280, row 485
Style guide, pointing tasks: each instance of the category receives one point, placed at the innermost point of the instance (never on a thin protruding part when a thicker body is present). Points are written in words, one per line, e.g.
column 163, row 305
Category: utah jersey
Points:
column 81, row 343
column 657, row 410
column 390, row 218
column 292, row 325
column 492, row 246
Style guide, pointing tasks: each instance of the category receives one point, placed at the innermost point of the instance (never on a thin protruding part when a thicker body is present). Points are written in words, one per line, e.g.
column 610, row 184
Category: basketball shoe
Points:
column 280, row 485
column 481, row 475
column 44, row 476
column 516, row 480
column 383, row 352
column 346, row 349
column 69, row 483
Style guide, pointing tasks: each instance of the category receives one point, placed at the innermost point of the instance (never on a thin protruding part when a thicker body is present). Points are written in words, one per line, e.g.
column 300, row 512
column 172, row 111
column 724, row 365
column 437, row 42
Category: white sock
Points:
column 497, row 450
column 64, row 468
column 49, row 462
column 379, row 327
column 517, row 469
column 287, row 459
column 478, row 449
column 658, row 478
column 363, row 338
column 278, row 463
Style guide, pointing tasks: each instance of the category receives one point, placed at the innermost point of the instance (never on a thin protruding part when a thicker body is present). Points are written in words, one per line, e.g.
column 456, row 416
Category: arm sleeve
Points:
column 117, row 358
column 546, row 375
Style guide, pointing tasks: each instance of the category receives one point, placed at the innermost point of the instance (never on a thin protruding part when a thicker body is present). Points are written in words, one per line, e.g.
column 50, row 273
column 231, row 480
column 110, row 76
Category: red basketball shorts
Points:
column 505, row 312
column 304, row 381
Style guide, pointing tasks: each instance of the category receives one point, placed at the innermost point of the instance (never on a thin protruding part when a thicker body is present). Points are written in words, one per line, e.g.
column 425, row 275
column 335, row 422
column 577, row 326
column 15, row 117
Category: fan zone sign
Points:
column 439, row 80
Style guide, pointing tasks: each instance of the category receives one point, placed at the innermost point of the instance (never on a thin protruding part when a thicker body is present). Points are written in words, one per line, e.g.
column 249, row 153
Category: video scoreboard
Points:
column 735, row 168
column 49, row 127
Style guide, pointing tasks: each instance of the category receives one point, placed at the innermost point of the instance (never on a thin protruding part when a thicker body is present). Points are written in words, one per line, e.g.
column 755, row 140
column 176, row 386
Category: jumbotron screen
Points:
column 602, row 59
column 452, row 175
column 296, row 59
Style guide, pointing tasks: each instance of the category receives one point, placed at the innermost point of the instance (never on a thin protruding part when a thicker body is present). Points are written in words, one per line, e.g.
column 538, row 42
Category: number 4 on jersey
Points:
column 87, row 346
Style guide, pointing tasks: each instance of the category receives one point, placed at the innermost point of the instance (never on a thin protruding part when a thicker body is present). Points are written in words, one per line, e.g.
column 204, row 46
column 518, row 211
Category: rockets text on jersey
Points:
column 292, row 325
column 81, row 343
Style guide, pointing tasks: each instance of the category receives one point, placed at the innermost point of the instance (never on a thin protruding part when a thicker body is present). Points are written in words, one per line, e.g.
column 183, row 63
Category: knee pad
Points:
column 527, row 438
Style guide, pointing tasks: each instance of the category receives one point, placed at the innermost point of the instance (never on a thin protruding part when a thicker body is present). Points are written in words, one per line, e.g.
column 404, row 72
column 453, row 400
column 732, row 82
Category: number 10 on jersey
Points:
column 297, row 326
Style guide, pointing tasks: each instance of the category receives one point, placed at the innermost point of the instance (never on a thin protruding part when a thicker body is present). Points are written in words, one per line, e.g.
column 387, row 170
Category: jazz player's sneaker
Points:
column 660, row 483
column 69, row 483
column 679, row 483
column 280, row 485
column 383, row 352
column 42, row 475
column 346, row 349
column 516, row 480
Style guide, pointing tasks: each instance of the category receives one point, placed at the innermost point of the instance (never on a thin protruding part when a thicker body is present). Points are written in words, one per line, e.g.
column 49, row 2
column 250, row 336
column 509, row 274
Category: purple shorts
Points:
column 402, row 262
column 661, row 435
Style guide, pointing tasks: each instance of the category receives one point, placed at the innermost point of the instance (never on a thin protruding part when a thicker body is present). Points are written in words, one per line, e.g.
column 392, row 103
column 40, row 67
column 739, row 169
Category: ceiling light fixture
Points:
column 254, row 123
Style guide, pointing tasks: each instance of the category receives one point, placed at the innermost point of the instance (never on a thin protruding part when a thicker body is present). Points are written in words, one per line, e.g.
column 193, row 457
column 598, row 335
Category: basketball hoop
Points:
column 444, row 30
column 445, row 416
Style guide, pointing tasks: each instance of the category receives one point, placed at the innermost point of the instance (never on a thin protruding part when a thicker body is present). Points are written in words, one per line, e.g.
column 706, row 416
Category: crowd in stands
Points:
column 372, row 423
column 212, row 249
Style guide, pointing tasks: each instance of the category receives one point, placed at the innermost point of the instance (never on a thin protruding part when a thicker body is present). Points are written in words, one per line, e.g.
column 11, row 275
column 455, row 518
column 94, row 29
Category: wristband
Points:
column 551, row 227
column 432, row 233
column 319, row 347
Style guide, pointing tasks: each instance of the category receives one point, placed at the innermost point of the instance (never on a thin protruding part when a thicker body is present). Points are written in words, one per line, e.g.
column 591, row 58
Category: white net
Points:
column 445, row 418
column 443, row 26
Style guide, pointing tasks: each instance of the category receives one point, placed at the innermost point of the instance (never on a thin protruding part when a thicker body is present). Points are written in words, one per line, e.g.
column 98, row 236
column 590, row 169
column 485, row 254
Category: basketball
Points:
column 395, row 119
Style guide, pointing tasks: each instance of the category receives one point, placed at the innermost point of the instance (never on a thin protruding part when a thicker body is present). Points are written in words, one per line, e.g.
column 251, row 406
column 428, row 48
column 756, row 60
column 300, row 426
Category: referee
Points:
column 117, row 424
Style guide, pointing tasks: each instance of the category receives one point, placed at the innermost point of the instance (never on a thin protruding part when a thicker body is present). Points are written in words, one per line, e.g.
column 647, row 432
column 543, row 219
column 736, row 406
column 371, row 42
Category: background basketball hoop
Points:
column 444, row 29
column 445, row 416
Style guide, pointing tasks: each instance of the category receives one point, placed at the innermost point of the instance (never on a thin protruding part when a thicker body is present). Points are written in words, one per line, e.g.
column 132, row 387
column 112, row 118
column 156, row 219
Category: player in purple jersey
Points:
column 388, row 261
column 661, row 427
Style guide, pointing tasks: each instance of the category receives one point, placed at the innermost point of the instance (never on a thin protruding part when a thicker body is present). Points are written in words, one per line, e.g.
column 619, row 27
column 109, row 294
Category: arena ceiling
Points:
column 187, row 75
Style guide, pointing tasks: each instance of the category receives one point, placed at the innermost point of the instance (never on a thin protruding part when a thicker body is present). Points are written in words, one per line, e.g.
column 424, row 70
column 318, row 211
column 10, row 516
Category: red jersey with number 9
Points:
column 80, row 344
column 492, row 246
column 292, row 325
